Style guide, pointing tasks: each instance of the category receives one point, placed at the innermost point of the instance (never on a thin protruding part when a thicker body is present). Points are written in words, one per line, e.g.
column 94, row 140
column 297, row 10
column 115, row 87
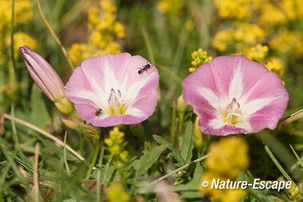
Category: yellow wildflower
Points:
column 189, row 25
column 116, row 193
column 223, row 195
column 108, row 6
column 249, row 33
column 256, row 53
column 271, row 15
column 287, row 42
column 294, row 190
column 275, row 64
column 21, row 39
column 228, row 157
column 119, row 30
column 199, row 57
column 104, row 35
column 23, row 13
column 115, row 144
column 166, row 6
column 293, row 9
column 239, row 9
column 282, row 40
column 222, row 38
column 79, row 52
column 243, row 34
column 93, row 17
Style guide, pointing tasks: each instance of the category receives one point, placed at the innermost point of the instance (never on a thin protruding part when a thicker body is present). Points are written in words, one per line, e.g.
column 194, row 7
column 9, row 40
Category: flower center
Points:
column 116, row 103
column 232, row 113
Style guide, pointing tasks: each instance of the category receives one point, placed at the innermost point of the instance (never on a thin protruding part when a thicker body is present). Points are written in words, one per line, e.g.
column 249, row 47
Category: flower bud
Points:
column 91, row 130
column 64, row 105
column 138, row 130
column 70, row 122
column 199, row 140
column 46, row 78
column 181, row 107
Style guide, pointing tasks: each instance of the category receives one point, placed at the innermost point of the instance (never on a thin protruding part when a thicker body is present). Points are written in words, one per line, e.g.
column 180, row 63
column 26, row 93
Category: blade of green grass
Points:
column 276, row 162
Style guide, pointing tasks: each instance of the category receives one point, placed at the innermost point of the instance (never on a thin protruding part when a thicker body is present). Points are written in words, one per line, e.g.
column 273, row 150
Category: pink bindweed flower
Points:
column 116, row 89
column 233, row 94
column 46, row 78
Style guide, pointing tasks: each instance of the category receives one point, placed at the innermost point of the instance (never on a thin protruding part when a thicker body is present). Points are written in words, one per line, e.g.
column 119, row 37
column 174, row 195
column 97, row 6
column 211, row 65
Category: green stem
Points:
column 177, row 170
column 106, row 168
column 148, row 45
column 284, row 173
column 55, row 37
column 12, row 34
column 99, row 172
column 298, row 158
column 293, row 116
column 173, row 125
column 64, row 155
column 96, row 152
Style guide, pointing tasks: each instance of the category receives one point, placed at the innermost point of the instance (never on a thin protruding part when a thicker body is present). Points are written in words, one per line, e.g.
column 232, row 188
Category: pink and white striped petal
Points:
column 116, row 89
column 233, row 94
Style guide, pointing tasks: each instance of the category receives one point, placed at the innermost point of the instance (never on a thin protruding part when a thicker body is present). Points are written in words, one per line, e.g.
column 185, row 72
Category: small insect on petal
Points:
column 144, row 69
column 107, row 91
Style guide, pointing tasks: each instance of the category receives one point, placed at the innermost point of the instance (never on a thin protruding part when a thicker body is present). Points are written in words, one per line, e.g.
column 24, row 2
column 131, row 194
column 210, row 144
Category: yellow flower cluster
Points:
column 271, row 11
column 245, row 34
column 288, row 41
column 256, row 53
column 228, row 158
column 105, row 33
column 271, row 15
column 266, row 16
column 116, row 193
column 199, row 57
column 23, row 14
column 21, row 39
column 238, row 9
column 115, row 144
column 259, row 52
column 292, row 8
column 294, row 191
column 275, row 65
column 166, row 6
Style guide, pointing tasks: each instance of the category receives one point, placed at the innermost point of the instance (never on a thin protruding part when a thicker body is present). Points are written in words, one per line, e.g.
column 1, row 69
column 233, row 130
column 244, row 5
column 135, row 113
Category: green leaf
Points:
column 197, row 175
column 190, row 190
column 187, row 145
column 40, row 116
column 148, row 159
column 173, row 150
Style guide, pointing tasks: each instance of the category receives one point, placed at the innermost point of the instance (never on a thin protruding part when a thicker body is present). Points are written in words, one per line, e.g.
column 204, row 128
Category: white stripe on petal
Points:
column 244, row 125
column 208, row 94
column 110, row 80
column 100, row 103
column 236, row 84
column 98, row 90
column 216, row 123
column 134, row 89
column 255, row 105
column 135, row 112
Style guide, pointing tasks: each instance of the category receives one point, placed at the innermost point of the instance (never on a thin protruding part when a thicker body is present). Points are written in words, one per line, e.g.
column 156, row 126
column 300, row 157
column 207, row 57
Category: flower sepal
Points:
column 64, row 105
